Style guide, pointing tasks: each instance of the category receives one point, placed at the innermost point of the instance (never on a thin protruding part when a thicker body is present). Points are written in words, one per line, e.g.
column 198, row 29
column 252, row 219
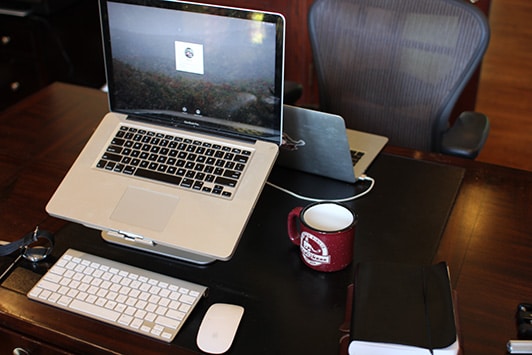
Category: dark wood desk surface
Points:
column 487, row 242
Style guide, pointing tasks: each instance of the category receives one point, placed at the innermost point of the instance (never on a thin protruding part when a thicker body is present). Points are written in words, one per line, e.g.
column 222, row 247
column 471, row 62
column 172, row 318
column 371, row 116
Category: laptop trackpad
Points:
column 144, row 208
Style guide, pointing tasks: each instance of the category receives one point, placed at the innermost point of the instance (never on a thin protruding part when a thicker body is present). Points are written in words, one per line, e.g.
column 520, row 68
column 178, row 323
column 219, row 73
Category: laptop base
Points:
column 158, row 249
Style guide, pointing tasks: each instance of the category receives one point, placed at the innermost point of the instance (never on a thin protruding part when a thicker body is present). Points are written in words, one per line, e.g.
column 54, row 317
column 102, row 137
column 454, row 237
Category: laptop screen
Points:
column 196, row 66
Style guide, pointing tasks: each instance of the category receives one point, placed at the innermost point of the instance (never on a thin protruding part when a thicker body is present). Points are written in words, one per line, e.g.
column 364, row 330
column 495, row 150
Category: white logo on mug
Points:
column 314, row 251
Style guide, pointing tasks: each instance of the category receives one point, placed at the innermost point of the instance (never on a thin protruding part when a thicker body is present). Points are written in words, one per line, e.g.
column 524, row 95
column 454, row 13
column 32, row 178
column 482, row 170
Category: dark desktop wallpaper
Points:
column 196, row 65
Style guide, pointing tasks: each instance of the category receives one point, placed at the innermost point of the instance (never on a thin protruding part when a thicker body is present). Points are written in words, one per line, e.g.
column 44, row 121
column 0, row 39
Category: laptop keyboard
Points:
column 192, row 164
column 356, row 156
column 135, row 299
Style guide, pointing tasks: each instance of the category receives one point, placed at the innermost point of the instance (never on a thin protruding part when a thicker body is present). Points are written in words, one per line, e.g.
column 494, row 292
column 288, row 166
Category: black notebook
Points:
column 402, row 309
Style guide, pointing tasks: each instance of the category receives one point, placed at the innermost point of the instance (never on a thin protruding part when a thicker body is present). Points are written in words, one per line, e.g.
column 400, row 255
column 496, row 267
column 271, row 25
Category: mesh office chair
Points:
column 397, row 68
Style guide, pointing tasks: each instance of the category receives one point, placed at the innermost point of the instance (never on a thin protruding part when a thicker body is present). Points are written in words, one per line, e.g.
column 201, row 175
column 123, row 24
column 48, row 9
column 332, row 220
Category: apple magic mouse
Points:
column 218, row 327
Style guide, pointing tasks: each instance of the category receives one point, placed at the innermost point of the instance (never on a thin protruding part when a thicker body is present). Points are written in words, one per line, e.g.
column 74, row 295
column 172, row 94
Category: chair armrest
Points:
column 467, row 136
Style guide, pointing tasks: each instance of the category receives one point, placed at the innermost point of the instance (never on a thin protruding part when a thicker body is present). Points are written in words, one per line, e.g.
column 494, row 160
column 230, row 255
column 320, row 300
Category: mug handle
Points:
column 293, row 223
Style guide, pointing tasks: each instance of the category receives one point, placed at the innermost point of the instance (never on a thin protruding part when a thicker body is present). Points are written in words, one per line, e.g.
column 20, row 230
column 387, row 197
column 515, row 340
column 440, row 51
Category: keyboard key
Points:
column 225, row 181
column 176, row 180
column 91, row 309
column 111, row 157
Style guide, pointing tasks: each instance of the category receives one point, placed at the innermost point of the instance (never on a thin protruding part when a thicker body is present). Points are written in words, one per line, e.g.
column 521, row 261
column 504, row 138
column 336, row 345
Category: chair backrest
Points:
column 396, row 67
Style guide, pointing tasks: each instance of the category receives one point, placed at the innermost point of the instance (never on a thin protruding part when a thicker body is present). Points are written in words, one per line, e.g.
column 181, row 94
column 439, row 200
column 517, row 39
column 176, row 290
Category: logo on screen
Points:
column 189, row 57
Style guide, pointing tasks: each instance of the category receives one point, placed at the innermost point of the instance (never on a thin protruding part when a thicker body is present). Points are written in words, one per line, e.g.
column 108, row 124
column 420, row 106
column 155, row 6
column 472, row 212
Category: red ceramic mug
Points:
column 325, row 233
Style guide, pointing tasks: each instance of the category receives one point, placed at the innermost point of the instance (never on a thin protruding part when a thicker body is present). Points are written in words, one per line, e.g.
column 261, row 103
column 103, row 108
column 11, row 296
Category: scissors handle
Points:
column 9, row 248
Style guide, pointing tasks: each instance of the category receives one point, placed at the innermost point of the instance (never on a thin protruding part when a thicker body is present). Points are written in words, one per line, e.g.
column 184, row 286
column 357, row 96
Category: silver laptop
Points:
column 319, row 143
column 195, row 95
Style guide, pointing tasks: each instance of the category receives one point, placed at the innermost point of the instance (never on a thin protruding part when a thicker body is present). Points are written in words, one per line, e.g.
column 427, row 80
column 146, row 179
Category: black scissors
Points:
column 34, row 247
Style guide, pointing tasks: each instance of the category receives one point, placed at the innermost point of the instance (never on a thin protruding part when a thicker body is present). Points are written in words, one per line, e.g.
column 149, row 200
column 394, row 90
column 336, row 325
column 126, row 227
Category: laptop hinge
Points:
column 132, row 237
column 209, row 131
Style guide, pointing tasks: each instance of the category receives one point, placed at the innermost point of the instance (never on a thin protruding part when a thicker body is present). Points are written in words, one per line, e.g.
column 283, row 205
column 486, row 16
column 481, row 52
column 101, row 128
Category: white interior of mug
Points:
column 328, row 217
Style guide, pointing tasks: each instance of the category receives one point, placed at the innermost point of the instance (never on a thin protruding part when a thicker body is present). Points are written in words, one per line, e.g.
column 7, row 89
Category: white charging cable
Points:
column 312, row 199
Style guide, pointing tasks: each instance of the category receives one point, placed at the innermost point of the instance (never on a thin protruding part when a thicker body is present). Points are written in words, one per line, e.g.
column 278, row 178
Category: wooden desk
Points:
column 487, row 241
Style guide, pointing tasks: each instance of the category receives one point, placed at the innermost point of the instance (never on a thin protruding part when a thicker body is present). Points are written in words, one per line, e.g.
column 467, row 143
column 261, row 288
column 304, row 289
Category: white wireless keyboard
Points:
column 144, row 302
